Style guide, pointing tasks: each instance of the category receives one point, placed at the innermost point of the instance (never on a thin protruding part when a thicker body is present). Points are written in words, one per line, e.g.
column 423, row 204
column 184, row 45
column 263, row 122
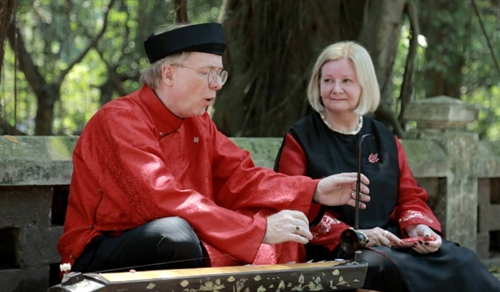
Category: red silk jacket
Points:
column 136, row 162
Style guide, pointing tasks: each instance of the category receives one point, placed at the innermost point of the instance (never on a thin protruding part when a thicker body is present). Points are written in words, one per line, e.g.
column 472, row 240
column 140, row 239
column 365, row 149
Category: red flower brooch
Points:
column 373, row 158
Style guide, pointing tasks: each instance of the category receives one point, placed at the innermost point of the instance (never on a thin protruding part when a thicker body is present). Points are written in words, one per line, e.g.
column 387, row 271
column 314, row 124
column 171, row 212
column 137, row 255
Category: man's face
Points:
column 191, row 92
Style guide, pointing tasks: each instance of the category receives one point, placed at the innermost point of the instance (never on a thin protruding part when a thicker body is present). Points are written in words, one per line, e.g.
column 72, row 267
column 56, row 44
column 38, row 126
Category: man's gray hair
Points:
column 152, row 75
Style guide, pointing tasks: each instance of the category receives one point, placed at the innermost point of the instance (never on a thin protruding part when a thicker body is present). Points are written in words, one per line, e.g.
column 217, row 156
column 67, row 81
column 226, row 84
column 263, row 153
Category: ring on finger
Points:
column 297, row 229
column 385, row 233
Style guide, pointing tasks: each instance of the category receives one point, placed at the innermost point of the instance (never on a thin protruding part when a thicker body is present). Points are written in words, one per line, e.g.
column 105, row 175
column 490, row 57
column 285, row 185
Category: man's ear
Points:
column 167, row 75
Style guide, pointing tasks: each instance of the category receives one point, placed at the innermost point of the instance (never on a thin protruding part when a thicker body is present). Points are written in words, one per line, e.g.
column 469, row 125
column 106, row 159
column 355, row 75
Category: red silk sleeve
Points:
column 292, row 161
column 412, row 200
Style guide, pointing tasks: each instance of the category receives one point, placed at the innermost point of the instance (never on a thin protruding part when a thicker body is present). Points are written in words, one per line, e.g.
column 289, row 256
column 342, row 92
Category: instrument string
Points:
column 187, row 260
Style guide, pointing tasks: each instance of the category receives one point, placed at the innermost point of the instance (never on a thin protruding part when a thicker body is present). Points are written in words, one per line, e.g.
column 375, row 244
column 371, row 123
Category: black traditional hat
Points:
column 205, row 38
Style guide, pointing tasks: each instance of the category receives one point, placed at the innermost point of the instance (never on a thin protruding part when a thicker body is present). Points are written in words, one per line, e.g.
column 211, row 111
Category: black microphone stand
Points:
column 353, row 239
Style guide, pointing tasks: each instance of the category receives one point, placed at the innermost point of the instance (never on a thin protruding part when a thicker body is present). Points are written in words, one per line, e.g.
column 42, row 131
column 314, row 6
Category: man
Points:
column 153, row 177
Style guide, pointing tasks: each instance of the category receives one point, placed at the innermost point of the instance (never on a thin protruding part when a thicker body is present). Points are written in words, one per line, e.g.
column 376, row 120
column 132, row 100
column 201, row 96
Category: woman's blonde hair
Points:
column 365, row 73
column 152, row 75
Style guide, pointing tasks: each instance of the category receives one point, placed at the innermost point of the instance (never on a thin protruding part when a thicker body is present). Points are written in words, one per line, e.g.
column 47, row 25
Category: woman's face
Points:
column 339, row 86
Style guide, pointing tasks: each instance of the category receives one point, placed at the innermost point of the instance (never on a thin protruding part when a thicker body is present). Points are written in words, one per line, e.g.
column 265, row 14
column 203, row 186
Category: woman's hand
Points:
column 381, row 237
column 340, row 189
column 424, row 247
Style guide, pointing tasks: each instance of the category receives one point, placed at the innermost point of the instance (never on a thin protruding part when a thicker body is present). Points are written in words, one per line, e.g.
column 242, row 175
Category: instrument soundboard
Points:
column 320, row 276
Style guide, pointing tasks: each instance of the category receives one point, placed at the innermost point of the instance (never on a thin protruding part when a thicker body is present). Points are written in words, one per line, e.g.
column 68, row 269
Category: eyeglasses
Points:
column 212, row 74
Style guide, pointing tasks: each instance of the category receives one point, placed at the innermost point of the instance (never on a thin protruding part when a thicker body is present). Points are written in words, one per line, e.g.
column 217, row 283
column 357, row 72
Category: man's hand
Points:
column 340, row 189
column 424, row 247
column 287, row 226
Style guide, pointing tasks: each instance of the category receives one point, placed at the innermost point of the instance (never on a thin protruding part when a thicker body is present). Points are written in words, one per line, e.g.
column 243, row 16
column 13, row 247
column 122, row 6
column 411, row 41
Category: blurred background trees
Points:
column 63, row 59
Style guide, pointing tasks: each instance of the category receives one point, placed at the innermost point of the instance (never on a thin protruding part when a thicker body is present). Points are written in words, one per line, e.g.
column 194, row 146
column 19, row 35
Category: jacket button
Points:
column 178, row 130
column 71, row 256
column 161, row 134
column 90, row 226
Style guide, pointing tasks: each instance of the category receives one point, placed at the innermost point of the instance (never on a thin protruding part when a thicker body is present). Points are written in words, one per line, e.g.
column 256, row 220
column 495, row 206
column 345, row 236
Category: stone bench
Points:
column 34, row 179
column 461, row 174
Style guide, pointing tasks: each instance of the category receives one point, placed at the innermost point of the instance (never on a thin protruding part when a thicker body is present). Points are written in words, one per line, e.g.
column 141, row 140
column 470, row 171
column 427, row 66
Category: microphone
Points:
column 353, row 239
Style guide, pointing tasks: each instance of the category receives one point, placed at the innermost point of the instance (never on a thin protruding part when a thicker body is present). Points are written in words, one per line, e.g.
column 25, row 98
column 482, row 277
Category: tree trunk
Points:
column 46, row 93
column 7, row 11
column 45, row 109
column 181, row 15
column 380, row 36
column 272, row 46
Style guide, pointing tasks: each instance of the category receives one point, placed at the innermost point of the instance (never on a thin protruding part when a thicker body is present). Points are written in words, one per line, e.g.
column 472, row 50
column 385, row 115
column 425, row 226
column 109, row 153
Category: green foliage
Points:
column 79, row 96
column 203, row 11
column 479, row 78
column 488, row 125
column 56, row 31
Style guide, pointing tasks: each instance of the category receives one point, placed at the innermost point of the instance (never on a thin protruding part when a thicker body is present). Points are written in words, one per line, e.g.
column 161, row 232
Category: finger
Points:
column 352, row 203
column 432, row 246
column 363, row 178
column 429, row 248
column 307, row 234
column 393, row 239
column 350, row 174
column 302, row 229
column 298, row 238
column 432, row 236
column 384, row 241
column 346, row 180
column 364, row 198
column 406, row 244
column 420, row 249
column 364, row 189
column 389, row 239
column 299, row 215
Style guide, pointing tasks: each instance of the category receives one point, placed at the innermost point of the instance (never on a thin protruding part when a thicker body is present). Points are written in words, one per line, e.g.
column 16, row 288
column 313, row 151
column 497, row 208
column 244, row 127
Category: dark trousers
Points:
column 167, row 243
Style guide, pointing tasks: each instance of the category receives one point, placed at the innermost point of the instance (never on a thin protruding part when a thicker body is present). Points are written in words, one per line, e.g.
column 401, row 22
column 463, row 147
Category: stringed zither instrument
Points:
column 320, row 276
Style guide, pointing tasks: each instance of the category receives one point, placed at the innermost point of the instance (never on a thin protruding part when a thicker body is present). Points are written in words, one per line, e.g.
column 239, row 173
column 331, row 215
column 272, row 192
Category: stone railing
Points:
column 461, row 174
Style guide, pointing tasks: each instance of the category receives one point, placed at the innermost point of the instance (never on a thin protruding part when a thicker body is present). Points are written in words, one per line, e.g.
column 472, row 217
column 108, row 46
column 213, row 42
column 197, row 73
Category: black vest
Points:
column 328, row 152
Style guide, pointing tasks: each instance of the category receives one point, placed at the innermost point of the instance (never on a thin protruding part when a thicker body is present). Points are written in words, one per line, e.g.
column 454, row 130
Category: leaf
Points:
column 12, row 139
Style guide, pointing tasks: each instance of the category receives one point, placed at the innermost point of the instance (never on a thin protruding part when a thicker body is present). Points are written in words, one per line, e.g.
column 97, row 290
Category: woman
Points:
column 342, row 89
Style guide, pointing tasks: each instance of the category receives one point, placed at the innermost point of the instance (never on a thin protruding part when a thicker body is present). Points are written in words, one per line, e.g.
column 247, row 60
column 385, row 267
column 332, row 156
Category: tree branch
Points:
column 385, row 113
column 405, row 92
column 181, row 11
column 485, row 35
column 90, row 45
column 7, row 10
column 33, row 76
